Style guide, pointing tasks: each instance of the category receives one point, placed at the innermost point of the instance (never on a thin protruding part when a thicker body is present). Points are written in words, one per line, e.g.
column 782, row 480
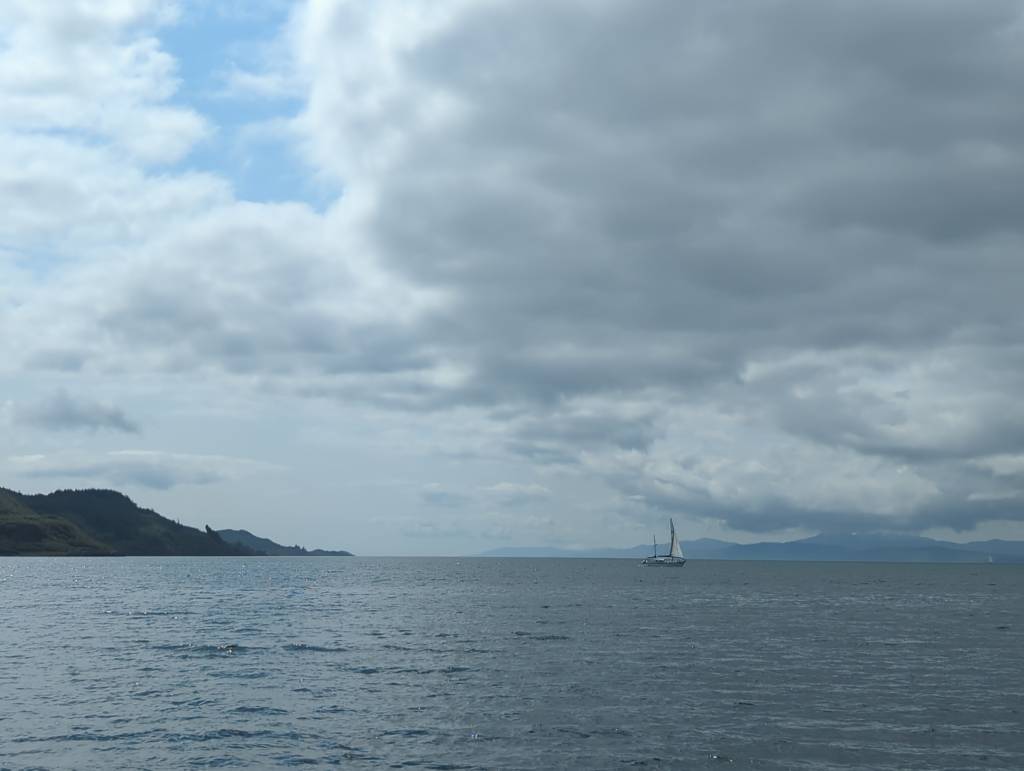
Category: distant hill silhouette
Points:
column 23, row 531
column 105, row 523
column 98, row 522
column 268, row 547
column 848, row 547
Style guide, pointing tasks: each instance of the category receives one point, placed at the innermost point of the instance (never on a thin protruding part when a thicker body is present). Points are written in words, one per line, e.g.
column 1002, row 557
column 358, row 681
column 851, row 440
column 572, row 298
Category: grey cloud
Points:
column 131, row 473
column 951, row 409
column 143, row 468
column 641, row 204
column 508, row 495
column 438, row 496
column 589, row 222
column 544, row 453
column 744, row 183
column 965, row 198
column 836, row 493
column 256, row 290
column 558, row 436
column 515, row 495
column 878, row 428
column 525, row 223
column 64, row 412
column 767, row 513
column 58, row 360
column 626, row 201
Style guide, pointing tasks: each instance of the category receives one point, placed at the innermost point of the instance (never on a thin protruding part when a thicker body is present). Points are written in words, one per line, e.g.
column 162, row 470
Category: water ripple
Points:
column 524, row 664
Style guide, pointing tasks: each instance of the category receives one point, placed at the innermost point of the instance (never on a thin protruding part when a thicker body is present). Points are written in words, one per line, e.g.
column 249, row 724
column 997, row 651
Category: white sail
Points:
column 675, row 551
column 675, row 556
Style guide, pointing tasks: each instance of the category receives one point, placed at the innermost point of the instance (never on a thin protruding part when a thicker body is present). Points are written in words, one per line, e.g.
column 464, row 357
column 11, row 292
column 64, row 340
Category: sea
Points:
column 486, row 663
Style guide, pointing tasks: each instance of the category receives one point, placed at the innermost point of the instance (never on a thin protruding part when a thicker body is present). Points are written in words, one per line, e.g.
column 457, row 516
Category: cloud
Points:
column 649, row 205
column 94, row 72
column 66, row 200
column 137, row 468
column 503, row 495
column 63, row 412
column 755, row 265
column 1003, row 465
column 584, row 424
column 516, row 494
column 435, row 494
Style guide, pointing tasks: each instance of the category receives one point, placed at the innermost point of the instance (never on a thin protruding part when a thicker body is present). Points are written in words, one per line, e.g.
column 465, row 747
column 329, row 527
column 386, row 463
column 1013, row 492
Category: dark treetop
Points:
column 106, row 522
column 266, row 546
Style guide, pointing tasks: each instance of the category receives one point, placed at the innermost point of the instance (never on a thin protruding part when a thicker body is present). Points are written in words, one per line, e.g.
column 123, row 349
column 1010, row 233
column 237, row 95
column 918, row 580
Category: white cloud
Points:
column 243, row 288
column 665, row 254
column 67, row 201
column 94, row 69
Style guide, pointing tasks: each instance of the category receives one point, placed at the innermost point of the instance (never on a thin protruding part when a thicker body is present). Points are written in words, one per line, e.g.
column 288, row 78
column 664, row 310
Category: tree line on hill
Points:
column 108, row 523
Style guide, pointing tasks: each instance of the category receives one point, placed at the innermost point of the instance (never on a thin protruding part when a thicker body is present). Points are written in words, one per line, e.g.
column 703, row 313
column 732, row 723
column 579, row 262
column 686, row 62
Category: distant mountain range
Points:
column 105, row 522
column 850, row 547
column 108, row 523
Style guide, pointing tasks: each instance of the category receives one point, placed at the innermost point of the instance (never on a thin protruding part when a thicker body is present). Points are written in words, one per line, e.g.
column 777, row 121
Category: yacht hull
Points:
column 674, row 558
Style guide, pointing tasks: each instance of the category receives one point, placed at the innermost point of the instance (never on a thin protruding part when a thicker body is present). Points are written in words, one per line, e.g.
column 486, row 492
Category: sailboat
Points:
column 674, row 558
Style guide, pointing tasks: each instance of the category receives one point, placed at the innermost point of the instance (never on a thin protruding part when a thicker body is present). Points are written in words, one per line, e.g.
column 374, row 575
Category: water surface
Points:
column 508, row 663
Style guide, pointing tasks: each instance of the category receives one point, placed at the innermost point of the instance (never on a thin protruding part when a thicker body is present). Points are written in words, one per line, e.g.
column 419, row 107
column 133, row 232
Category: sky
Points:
column 436, row 277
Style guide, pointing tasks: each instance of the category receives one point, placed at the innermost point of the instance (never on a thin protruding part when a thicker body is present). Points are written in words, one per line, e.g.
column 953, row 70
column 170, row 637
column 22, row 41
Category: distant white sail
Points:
column 675, row 556
column 675, row 550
